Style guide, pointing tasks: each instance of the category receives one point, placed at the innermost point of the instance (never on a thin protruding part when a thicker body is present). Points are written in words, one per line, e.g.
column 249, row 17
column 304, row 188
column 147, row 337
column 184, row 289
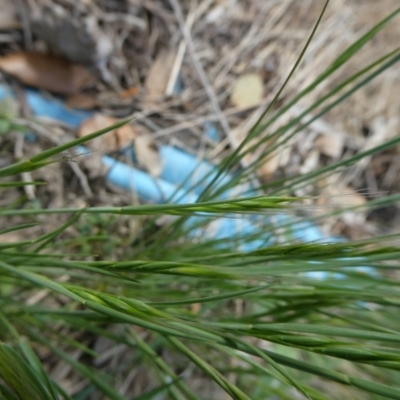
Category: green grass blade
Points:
column 14, row 370
column 231, row 160
column 231, row 389
column 225, row 296
column 17, row 228
column 20, row 184
column 39, row 160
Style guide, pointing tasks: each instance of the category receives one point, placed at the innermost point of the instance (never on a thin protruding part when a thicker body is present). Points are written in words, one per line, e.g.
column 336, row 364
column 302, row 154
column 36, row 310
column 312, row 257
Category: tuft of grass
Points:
column 256, row 323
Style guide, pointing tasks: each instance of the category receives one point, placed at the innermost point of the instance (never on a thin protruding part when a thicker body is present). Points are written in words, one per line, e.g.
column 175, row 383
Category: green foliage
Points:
column 326, row 339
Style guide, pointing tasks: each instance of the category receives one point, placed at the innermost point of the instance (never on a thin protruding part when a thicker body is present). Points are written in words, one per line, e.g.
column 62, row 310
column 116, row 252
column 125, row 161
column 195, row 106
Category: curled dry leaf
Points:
column 148, row 155
column 46, row 72
column 157, row 79
column 247, row 91
column 111, row 141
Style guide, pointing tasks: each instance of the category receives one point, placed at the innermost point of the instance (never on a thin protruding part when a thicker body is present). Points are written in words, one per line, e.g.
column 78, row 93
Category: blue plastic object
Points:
column 182, row 179
column 146, row 187
column 211, row 131
column 49, row 107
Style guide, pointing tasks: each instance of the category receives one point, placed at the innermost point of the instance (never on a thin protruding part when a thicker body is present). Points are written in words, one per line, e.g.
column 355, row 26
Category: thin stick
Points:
column 179, row 58
column 200, row 71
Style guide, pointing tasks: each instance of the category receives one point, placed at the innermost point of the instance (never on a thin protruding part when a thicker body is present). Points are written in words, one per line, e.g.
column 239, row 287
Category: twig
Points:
column 199, row 68
column 179, row 58
column 250, row 40
column 197, row 121
column 183, row 45
column 207, row 86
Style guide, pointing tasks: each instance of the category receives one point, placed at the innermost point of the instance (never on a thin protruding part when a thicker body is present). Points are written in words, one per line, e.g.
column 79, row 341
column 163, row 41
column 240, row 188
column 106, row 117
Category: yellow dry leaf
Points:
column 247, row 91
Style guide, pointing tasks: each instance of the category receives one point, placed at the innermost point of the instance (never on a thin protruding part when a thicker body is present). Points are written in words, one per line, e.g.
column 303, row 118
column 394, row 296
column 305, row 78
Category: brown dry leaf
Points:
column 358, row 232
column 195, row 308
column 330, row 145
column 247, row 91
column 148, row 155
column 82, row 101
column 46, row 72
column 111, row 141
column 341, row 196
column 157, row 79
column 130, row 92
column 267, row 170
column 350, row 197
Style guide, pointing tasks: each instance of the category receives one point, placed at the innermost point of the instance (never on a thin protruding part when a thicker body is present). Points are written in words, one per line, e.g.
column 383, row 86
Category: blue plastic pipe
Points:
column 179, row 169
